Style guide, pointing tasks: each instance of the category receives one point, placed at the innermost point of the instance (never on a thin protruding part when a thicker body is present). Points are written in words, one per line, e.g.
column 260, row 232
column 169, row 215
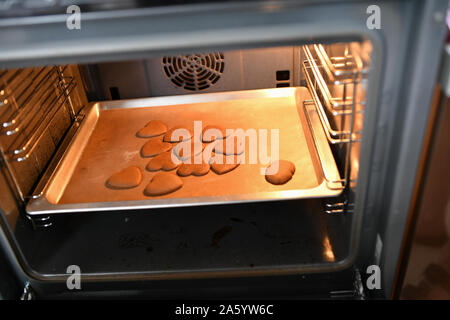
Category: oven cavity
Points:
column 303, row 105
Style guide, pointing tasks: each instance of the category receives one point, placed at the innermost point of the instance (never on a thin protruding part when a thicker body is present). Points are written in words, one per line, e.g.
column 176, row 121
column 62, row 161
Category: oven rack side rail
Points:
column 338, row 112
column 36, row 110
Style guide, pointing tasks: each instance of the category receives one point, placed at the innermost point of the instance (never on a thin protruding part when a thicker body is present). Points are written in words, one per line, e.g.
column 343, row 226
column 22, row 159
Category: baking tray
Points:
column 105, row 142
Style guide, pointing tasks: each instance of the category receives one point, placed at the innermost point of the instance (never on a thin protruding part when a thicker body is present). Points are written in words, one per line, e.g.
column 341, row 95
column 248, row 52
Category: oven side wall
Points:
column 421, row 71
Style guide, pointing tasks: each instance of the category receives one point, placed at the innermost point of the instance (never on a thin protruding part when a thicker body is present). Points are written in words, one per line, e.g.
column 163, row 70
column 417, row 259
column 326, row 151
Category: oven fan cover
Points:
column 194, row 72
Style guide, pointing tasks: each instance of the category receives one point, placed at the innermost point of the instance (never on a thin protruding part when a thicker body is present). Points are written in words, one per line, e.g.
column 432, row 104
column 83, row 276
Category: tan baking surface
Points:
column 113, row 146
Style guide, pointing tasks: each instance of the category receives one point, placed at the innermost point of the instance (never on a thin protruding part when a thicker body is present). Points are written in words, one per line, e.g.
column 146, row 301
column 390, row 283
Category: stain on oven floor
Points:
column 194, row 238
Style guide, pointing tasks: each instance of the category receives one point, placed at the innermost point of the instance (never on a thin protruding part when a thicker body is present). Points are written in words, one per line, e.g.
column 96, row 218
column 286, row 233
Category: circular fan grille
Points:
column 194, row 72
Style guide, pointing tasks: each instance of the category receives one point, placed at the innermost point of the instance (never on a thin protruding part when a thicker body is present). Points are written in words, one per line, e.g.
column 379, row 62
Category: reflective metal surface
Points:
column 106, row 142
column 271, row 238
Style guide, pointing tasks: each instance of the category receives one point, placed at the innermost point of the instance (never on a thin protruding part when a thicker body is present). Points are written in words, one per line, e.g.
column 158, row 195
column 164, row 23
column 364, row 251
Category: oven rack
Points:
column 333, row 184
column 10, row 81
column 338, row 105
column 340, row 69
column 332, row 109
column 44, row 98
column 322, row 72
column 28, row 99
column 32, row 103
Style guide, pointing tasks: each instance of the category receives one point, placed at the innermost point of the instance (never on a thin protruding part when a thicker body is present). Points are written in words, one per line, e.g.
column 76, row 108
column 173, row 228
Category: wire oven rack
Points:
column 31, row 100
column 335, row 85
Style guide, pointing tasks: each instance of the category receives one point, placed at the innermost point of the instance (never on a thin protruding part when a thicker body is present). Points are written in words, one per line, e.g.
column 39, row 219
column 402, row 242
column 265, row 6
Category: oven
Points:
column 92, row 178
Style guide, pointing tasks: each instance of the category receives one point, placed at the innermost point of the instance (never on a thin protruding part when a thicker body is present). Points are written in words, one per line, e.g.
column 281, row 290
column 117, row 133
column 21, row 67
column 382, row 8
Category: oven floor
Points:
column 194, row 238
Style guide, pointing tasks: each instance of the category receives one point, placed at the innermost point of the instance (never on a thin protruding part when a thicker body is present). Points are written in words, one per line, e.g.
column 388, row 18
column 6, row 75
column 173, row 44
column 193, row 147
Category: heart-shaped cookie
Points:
column 221, row 164
column 195, row 146
column 229, row 146
column 152, row 129
column 127, row 178
column 196, row 166
column 163, row 183
column 193, row 169
column 163, row 161
column 178, row 134
column 154, row 147
column 212, row 132
column 280, row 172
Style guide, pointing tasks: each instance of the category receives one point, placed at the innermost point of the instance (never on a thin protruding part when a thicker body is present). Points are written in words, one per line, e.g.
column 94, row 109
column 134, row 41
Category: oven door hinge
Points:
column 356, row 293
column 28, row 293
column 358, row 286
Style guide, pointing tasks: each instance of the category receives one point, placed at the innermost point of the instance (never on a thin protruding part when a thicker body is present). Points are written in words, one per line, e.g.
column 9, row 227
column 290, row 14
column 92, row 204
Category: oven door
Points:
column 401, row 80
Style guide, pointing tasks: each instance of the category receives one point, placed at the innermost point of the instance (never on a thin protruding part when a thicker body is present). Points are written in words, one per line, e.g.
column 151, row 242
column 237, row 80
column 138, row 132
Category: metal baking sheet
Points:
column 106, row 142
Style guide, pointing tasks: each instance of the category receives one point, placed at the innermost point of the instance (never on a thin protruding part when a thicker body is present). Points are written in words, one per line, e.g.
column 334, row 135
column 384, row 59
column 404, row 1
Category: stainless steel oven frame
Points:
column 401, row 80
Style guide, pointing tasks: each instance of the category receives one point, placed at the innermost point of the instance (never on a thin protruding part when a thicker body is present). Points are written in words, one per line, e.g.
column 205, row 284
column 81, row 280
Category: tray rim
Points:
column 39, row 203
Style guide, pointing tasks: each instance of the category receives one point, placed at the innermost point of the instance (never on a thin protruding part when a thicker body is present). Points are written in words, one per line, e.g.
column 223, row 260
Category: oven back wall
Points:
column 201, row 72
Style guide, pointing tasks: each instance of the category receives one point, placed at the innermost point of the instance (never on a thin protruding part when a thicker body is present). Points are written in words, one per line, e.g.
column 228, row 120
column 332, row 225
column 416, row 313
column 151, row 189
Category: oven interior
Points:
column 67, row 128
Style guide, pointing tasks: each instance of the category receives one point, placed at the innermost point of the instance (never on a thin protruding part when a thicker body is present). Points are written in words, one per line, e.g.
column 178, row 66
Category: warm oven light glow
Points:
column 328, row 253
